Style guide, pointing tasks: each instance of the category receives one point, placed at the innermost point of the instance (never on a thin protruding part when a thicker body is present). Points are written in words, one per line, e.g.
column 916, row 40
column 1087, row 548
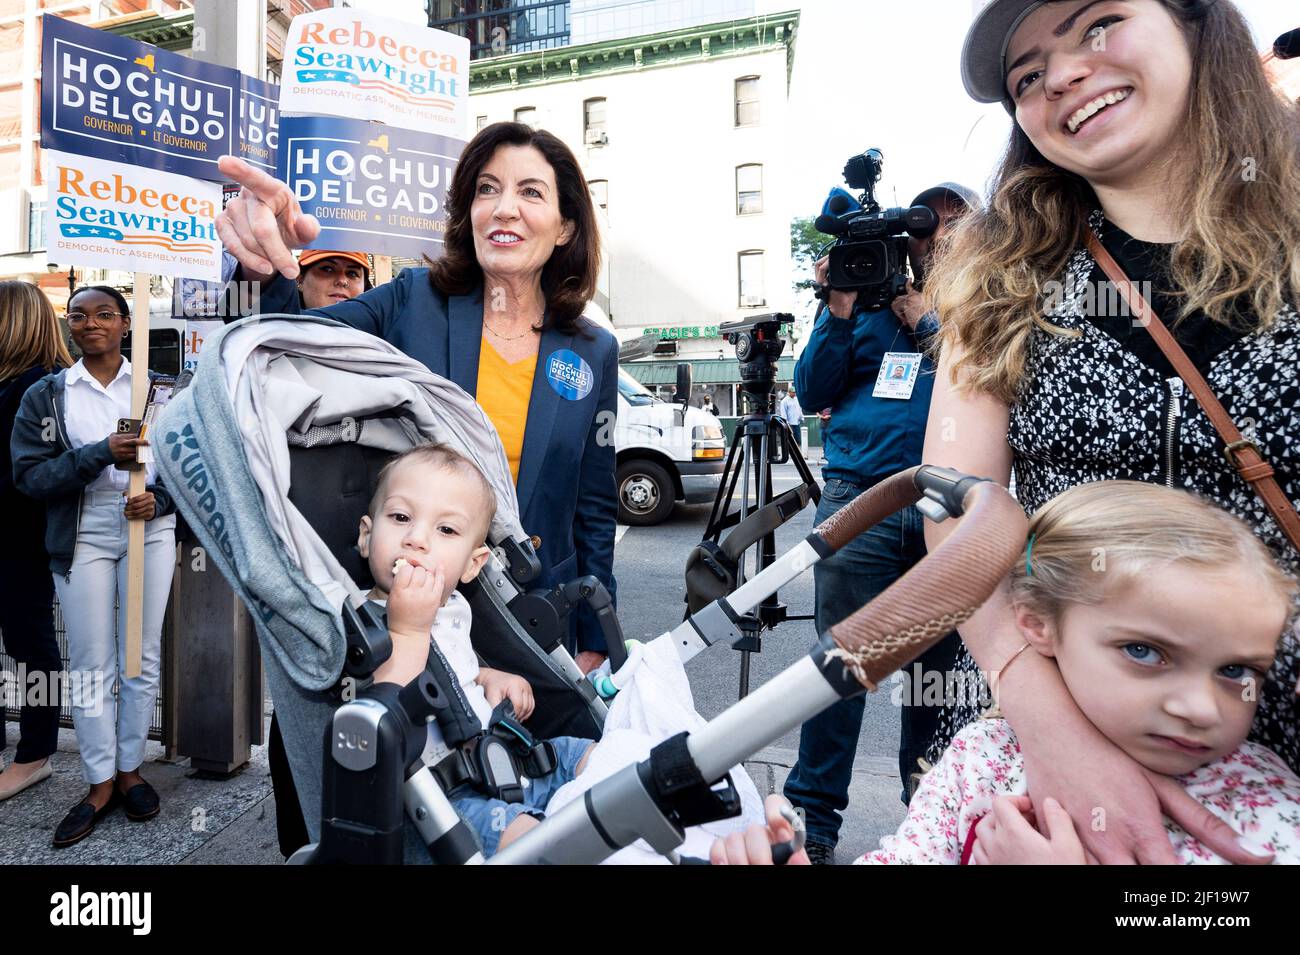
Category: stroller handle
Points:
column 940, row 490
column 944, row 589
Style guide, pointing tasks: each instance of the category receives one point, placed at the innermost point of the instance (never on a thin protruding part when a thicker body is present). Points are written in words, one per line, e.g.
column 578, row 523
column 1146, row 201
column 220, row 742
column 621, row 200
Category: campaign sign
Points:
column 373, row 189
column 259, row 123
column 103, row 95
column 110, row 215
column 344, row 63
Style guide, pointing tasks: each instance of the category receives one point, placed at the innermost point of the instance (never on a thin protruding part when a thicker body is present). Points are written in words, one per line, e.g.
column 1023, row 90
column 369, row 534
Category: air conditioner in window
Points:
column 596, row 137
column 748, row 300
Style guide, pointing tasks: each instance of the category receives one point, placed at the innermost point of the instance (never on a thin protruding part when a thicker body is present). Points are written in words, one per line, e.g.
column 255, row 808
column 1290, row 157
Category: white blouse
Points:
column 91, row 412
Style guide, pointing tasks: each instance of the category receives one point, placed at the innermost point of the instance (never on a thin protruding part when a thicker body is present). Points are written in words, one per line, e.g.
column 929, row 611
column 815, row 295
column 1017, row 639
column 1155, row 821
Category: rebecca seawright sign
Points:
column 361, row 66
column 110, row 215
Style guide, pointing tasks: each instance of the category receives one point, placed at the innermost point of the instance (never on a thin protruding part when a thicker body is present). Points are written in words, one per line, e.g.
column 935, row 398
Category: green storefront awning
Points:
column 706, row 371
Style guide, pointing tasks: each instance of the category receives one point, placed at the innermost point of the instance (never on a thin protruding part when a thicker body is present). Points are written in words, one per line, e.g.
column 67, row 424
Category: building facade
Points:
column 682, row 135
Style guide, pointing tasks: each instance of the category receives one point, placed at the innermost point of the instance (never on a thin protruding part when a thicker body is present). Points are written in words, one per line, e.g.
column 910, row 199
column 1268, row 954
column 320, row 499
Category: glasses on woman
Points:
column 80, row 318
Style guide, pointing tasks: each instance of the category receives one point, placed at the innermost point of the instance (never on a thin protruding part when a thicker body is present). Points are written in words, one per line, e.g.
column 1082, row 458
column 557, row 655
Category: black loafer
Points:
column 81, row 821
column 819, row 853
column 141, row 802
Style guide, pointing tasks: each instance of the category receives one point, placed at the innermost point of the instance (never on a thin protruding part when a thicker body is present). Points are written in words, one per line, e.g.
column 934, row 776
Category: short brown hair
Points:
column 569, row 276
column 444, row 458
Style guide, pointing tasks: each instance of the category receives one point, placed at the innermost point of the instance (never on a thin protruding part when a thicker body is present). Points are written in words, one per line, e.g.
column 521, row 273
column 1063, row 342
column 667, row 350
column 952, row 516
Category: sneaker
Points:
column 819, row 853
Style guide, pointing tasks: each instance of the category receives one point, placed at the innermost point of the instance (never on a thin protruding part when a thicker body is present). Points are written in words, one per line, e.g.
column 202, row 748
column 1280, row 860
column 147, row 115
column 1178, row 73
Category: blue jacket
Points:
column 566, row 487
column 867, row 438
column 55, row 472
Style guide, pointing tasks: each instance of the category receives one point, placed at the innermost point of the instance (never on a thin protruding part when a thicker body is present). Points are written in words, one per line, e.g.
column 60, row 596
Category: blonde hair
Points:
column 442, row 457
column 1095, row 537
column 1243, row 232
column 30, row 335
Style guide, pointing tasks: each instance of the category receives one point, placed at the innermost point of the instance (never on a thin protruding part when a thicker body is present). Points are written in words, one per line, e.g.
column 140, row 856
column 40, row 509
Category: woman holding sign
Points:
column 87, row 513
column 500, row 314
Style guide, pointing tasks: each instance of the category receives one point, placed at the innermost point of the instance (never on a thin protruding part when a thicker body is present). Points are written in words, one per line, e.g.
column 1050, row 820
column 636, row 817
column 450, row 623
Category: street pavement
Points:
column 212, row 821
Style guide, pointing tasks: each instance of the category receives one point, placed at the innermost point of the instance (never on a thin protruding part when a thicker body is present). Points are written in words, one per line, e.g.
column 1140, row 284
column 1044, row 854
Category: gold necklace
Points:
column 509, row 338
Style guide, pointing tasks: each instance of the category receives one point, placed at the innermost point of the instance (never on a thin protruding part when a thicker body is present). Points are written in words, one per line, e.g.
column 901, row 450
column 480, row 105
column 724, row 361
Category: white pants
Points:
column 111, row 733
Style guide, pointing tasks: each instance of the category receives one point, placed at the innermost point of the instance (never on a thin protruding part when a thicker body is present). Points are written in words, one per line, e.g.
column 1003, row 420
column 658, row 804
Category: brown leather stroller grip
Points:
column 869, row 508
column 938, row 594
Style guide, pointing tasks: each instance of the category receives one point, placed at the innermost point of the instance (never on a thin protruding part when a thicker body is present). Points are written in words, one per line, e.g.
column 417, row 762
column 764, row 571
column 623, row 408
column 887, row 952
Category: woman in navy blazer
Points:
column 520, row 224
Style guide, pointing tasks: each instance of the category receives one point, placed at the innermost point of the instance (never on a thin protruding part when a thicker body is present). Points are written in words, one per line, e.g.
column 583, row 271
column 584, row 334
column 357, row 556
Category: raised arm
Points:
column 1115, row 803
column 822, row 372
column 263, row 224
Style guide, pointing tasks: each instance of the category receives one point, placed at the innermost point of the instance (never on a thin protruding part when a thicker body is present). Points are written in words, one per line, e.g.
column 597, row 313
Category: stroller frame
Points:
column 678, row 785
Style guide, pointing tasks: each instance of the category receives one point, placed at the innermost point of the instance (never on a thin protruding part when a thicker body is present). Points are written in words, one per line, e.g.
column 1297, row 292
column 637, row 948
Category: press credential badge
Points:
column 898, row 374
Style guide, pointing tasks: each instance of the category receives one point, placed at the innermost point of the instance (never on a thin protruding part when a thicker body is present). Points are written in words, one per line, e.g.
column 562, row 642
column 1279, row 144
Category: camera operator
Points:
column 871, row 368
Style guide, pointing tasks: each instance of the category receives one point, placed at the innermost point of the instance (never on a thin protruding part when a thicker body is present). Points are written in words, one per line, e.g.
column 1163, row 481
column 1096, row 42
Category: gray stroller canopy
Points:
column 222, row 448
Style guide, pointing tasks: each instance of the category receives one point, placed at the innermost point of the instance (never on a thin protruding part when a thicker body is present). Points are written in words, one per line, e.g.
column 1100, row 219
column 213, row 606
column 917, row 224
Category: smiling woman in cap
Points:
column 1149, row 127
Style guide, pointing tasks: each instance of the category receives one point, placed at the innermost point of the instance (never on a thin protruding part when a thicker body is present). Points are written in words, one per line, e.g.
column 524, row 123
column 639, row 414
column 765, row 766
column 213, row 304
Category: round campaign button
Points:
column 569, row 375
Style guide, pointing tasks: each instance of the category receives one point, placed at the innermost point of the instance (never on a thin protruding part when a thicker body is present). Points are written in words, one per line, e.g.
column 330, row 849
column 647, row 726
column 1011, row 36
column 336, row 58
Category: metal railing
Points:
column 157, row 724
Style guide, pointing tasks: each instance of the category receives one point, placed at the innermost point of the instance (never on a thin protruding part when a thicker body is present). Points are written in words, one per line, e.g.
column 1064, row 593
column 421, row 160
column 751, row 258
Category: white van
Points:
column 666, row 452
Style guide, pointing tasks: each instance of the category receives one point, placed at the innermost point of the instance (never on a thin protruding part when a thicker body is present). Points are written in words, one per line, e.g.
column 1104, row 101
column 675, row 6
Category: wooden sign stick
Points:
column 383, row 269
column 135, row 528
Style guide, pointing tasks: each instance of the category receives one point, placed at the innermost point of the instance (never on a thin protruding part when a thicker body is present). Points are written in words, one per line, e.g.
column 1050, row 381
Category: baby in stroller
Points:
column 414, row 539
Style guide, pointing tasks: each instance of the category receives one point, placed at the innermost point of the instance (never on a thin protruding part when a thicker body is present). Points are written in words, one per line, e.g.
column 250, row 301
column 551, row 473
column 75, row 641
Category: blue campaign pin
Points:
column 569, row 375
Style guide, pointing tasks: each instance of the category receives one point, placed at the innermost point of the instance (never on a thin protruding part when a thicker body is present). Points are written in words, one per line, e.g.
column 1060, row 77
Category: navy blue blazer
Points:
column 566, row 486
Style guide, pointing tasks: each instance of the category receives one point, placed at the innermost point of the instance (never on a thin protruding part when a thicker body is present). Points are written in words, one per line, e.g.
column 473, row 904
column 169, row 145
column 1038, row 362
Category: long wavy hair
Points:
column 30, row 335
column 1243, row 231
column 569, row 276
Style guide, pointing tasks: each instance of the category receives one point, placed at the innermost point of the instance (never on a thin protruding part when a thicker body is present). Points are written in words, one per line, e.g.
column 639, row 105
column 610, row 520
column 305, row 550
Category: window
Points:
column 527, row 115
column 600, row 192
column 36, row 226
column 593, row 122
column 749, row 189
column 480, row 122
column 747, row 101
column 751, row 278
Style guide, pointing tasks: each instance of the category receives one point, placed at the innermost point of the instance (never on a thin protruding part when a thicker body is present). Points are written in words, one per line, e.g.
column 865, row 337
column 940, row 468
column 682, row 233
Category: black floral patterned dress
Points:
column 1108, row 406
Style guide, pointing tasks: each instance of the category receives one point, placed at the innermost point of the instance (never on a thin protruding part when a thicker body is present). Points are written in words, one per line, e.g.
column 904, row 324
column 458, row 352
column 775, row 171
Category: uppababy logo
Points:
column 76, row 908
column 184, row 448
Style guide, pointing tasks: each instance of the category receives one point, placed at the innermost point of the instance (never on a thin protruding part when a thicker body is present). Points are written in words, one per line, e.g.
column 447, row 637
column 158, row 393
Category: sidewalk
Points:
column 214, row 822
column 202, row 819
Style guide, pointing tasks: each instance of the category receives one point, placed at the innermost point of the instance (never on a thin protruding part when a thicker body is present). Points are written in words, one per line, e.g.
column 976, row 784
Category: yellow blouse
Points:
column 504, row 391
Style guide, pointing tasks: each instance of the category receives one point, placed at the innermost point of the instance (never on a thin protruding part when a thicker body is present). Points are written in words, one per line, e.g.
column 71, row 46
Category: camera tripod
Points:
column 762, row 438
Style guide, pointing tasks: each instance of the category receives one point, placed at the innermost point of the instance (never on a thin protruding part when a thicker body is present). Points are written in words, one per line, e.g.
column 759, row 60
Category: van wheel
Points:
column 645, row 493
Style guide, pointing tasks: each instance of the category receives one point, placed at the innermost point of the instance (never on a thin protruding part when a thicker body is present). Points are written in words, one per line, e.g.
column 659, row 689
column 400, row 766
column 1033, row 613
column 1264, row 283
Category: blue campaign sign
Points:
column 374, row 188
column 105, row 96
column 259, row 123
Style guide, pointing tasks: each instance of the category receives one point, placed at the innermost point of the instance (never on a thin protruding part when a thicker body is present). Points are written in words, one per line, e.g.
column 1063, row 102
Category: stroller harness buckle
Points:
column 494, row 761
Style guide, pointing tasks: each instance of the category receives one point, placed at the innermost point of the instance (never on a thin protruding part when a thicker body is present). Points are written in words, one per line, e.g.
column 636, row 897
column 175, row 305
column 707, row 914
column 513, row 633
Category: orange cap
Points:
column 312, row 256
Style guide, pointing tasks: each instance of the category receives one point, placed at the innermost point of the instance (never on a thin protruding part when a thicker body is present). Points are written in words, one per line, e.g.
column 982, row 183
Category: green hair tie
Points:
column 1029, row 556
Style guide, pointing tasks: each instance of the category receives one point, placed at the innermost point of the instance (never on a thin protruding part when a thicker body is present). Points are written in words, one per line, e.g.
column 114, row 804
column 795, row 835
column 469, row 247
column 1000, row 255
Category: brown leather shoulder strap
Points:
column 1242, row 454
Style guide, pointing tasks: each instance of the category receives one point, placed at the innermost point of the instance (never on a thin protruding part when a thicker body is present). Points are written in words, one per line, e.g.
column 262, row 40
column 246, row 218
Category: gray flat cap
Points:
column 984, row 54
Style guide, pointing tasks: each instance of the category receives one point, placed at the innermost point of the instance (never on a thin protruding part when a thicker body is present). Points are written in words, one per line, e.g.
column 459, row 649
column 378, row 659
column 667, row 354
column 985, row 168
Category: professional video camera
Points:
column 870, row 253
